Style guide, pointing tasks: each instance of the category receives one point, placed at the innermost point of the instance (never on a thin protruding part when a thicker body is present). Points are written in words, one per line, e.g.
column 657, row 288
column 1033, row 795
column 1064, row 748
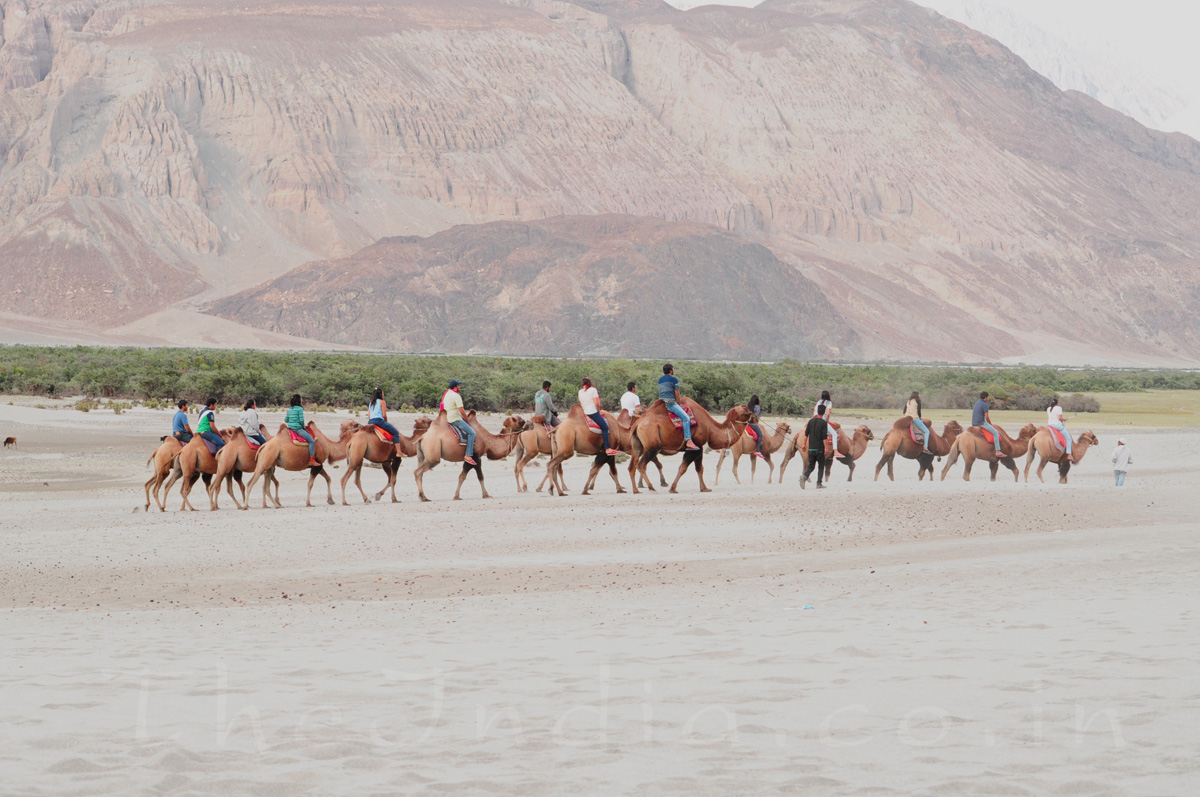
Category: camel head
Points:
column 739, row 414
column 865, row 431
column 513, row 424
column 1089, row 438
column 348, row 429
column 783, row 427
column 952, row 427
column 422, row 423
column 640, row 410
column 1027, row 431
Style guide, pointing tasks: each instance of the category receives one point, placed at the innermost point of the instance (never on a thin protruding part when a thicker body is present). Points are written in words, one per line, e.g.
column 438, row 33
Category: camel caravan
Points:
column 672, row 424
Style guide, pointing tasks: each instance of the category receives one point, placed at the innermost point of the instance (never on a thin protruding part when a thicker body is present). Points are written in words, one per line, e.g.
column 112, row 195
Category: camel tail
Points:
column 150, row 460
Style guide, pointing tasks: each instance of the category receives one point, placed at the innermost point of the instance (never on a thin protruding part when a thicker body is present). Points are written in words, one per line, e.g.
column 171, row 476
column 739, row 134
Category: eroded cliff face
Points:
column 949, row 202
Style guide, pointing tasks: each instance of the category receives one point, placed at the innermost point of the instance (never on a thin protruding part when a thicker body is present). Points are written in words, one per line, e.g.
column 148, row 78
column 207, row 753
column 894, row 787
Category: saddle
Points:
column 462, row 438
column 678, row 423
column 212, row 448
column 540, row 420
column 254, row 444
column 382, row 434
column 297, row 440
column 984, row 433
column 592, row 426
column 916, row 434
column 1058, row 439
column 750, row 433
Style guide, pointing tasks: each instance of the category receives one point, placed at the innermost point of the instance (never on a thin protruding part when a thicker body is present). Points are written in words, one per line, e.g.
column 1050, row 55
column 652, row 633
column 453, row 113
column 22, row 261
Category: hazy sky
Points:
column 1158, row 36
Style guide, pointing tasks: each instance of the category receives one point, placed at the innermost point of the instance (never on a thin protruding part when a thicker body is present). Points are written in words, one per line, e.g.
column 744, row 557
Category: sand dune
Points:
column 873, row 638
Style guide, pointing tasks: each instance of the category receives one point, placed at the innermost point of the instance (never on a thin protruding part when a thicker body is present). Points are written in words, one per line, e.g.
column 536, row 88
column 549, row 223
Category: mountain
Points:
column 949, row 203
column 569, row 286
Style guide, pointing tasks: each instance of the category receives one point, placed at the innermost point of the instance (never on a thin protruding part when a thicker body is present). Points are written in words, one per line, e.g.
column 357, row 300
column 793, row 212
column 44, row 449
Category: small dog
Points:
column 10, row 441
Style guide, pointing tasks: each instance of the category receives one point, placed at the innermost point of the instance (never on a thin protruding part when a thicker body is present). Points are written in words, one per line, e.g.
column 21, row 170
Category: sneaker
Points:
column 820, row 486
column 470, row 460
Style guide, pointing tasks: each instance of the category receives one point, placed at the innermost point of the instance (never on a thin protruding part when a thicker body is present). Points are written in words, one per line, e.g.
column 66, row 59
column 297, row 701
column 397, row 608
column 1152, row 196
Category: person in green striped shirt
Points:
column 206, row 427
column 295, row 421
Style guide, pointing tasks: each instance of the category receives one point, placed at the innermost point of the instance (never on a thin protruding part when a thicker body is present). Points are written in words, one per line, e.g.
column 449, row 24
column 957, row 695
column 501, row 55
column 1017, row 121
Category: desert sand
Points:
column 871, row 638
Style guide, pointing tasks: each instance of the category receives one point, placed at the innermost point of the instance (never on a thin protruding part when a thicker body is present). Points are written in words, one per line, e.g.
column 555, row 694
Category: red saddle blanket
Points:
column 750, row 433
column 986, row 434
column 297, row 439
column 382, row 434
column 592, row 425
column 916, row 438
column 678, row 423
column 254, row 445
column 1058, row 438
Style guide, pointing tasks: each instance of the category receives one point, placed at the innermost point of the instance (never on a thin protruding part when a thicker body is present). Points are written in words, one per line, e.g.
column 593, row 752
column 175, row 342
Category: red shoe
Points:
column 691, row 446
column 312, row 462
column 470, row 460
column 612, row 452
column 759, row 454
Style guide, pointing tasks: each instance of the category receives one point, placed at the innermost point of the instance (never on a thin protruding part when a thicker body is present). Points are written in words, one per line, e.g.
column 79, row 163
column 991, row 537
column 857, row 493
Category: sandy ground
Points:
column 872, row 638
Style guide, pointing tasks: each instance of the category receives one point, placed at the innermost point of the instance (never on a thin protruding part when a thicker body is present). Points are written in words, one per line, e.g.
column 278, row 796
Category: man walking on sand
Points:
column 816, row 431
column 1122, row 458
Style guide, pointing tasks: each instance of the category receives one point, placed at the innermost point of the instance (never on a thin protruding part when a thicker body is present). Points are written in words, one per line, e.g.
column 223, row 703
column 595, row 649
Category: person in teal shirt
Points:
column 295, row 421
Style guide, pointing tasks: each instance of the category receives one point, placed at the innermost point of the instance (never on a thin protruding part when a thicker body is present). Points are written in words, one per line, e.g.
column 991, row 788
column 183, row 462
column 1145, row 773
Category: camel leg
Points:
column 789, row 452
column 886, row 459
column 612, row 471
column 720, row 462
column 462, row 476
column 770, row 474
column 1064, row 467
column 683, row 466
column 698, row 456
column 418, row 473
column 153, row 480
column 1011, row 464
column 753, row 468
column 357, row 483
column 1041, row 467
column 850, row 465
column 345, row 478
column 391, row 468
column 662, row 480
column 993, row 467
column 1029, row 455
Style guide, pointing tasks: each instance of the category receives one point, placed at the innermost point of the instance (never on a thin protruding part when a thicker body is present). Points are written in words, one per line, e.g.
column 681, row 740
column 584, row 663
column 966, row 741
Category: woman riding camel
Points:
column 377, row 414
column 668, row 391
column 452, row 403
column 295, row 421
column 913, row 410
column 1055, row 421
column 589, row 401
column 248, row 420
column 756, row 410
column 206, row 427
column 823, row 410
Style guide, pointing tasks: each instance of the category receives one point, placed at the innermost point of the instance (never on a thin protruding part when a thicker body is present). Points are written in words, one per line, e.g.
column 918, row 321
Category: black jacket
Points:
column 816, row 431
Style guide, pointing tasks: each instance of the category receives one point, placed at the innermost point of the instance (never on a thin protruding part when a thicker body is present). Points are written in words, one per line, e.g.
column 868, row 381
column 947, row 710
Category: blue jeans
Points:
column 258, row 438
column 213, row 438
column 920, row 424
column 1120, row 474
column 676, row 410
column 598, row 417
column 1066, row 435
column 385, row 426
column 466, row 429
column 758, row 431
column 995, row 434
column 312, row 444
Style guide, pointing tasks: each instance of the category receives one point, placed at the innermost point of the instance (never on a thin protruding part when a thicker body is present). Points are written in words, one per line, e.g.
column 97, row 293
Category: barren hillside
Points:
column 948, row 202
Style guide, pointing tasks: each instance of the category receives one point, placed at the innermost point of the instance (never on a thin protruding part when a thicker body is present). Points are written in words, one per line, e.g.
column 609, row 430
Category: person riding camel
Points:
column 452, row 403
column 295, row 421
column 913, row 410
column 181, row 430
column 981, row 418
column 1055, row 421
column 589, row 401
column 630, row 400
column 248, row 420
column 756, row 410
column 543, row 404
column 377, row 414
column 668, row 391
column 823, row 410
column 206, row 427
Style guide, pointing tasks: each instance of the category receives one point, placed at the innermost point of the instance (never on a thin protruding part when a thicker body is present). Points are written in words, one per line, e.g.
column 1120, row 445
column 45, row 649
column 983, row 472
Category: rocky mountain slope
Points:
column 569, row 286
column 949, row 202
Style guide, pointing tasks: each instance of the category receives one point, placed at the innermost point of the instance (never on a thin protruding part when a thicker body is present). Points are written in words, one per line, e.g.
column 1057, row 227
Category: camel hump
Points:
column 902, row 423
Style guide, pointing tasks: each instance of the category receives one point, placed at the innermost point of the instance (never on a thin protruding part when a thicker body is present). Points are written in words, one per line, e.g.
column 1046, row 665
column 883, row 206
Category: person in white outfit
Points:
column 1055, row 420
column 630, row 400
column 1122, row 458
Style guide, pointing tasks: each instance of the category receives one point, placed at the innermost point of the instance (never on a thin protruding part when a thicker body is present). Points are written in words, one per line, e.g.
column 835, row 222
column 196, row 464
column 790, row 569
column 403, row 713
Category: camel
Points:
column 163, row 459
column 531, row 442
column 281, row 452
column 654, row 432
column 1043, row 444
column 237, row 457
column 365, row 446
column 574, row 437
column 899, row 441
column 745, row 445
column 440, row 443
column 852, row 447
column 972, row 446
column 192, row 462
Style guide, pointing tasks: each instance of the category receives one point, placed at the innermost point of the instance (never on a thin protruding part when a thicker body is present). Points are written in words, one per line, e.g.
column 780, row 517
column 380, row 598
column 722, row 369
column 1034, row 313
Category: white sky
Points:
column 1159, row 37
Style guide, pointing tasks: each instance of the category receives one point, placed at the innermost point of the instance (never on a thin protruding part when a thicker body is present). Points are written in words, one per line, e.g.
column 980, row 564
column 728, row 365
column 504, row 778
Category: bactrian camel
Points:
column 237, row 457
column 654, row 432
column 440, row 444
column 745, row 445
column 1043, row 445
column 972, row 445
column 366, row 446
column 163, row 459
column 898, row 440
column 851, row 447
column 283, row 452
column 574, row 436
